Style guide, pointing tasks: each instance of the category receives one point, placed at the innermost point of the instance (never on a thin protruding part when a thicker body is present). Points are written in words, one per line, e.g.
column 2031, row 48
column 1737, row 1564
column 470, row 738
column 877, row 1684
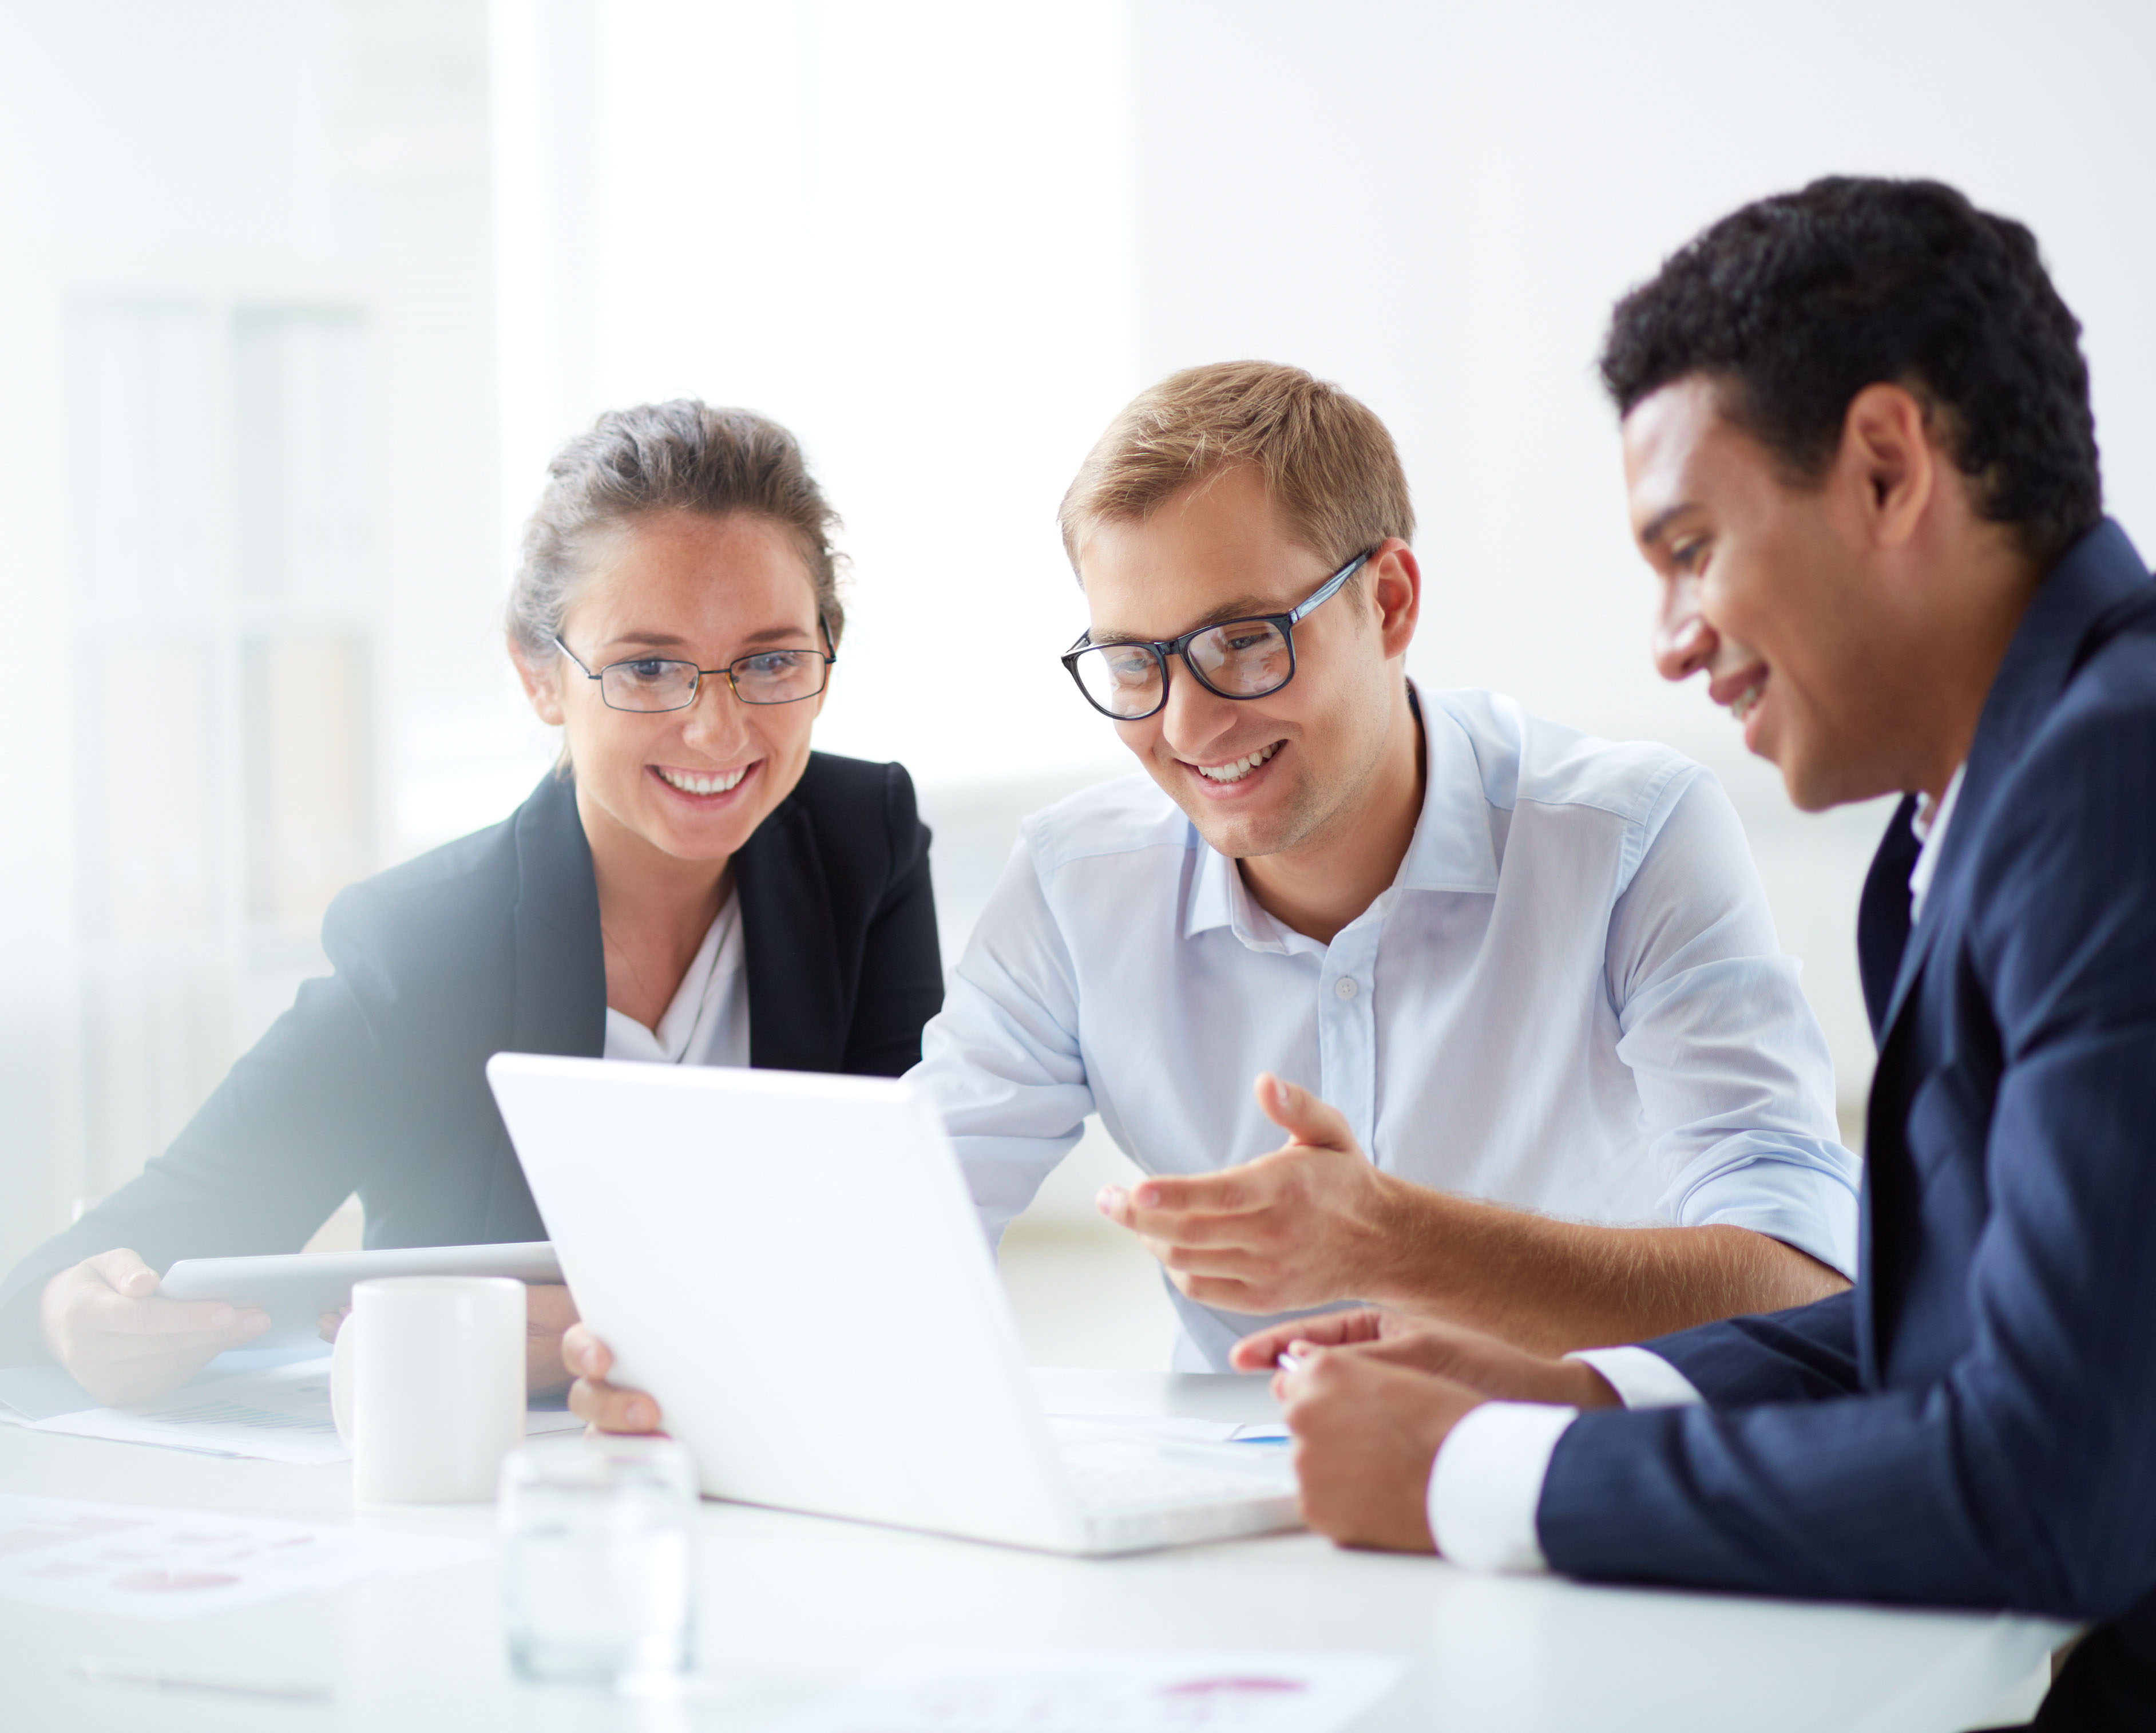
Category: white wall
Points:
column 1436, row 206
column 944, row 241
column 900, row 230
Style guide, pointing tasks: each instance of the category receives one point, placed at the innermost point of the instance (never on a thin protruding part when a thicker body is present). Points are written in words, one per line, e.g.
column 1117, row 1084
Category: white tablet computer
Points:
column 296, row 1287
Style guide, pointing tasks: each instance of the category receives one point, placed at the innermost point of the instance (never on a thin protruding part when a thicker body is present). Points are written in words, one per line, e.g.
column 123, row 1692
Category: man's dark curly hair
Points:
column 1801, row 301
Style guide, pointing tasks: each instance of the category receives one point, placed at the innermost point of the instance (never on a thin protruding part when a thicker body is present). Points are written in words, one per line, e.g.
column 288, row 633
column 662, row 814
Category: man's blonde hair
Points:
column 1327, row 461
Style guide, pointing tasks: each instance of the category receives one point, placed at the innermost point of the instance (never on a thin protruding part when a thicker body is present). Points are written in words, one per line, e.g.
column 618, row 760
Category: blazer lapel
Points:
column 561, row 964
column 2098, row 573
column 797, row 1011
column 558, row 990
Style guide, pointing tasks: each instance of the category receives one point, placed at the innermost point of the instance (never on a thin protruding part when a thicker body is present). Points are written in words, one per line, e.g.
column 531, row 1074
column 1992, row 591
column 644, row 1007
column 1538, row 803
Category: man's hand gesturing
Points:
column 1311, row 1222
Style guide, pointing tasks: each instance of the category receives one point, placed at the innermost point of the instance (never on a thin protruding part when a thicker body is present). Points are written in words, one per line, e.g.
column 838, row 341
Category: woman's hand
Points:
column 600, row 1405
column 104, row 1321
column 548, row 1314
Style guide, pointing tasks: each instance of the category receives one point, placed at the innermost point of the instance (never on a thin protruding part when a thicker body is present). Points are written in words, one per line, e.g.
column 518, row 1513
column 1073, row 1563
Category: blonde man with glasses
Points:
column 1525, row 1053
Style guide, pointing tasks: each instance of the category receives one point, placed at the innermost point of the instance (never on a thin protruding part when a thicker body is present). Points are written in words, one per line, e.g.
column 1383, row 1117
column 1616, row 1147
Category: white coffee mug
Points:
column 427, row 1386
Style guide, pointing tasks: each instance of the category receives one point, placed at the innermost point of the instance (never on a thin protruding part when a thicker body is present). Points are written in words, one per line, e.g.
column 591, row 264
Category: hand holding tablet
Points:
column 126, row 1337
column 104, row 1320
column 297, row 1289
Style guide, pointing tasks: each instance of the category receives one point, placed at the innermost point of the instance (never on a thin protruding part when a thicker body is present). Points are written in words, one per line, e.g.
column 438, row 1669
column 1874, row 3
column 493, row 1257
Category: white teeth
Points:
column 1746, row 699
column 1237, row 769
column 717, row 785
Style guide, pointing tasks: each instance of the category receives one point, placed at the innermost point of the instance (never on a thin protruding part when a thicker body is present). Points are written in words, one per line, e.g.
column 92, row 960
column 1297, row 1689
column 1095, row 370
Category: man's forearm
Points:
column 1554, row 1286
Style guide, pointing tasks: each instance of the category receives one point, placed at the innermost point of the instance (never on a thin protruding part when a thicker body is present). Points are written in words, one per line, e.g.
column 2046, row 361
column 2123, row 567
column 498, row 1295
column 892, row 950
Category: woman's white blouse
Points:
column 707, row 1023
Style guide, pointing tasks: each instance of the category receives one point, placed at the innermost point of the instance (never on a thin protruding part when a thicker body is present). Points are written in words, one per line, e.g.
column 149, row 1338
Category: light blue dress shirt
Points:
column 1486, row 1484
column 1570, row 1000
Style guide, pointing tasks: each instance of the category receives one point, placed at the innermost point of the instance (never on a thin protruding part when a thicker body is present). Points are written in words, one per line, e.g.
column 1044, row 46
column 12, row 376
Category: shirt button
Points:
column 1344, row 988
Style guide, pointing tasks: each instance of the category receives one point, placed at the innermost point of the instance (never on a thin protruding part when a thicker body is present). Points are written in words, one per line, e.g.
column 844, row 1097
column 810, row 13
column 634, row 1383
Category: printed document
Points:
column 1133, row 1692
column 149, row 1562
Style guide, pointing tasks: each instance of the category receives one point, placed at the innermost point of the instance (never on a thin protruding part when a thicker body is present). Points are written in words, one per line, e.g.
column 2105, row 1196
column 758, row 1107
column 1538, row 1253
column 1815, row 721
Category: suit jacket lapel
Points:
column 558, row 990
column 561, row 964
column 2098, row 573
column 796, row 993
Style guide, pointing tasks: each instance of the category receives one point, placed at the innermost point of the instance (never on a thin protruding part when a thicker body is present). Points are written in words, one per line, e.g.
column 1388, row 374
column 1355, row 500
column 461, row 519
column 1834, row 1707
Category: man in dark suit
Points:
column 1860, row 460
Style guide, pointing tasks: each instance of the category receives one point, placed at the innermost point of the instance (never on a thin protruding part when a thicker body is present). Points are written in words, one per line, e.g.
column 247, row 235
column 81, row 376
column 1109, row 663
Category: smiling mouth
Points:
column 1746, row 701
column 719, row 782
column 1236, row 770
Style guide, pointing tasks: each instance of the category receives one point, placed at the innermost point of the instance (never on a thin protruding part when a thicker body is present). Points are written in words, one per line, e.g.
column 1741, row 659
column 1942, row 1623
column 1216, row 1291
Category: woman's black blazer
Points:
column 374, row 1081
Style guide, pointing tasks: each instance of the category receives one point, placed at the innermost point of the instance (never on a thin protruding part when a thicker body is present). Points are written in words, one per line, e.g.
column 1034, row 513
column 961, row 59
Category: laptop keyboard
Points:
column 1116, row 1475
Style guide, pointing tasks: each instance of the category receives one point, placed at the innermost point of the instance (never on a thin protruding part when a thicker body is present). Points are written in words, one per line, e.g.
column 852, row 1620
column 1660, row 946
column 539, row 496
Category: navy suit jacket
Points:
column 375, row 1080
column 1974, row 1424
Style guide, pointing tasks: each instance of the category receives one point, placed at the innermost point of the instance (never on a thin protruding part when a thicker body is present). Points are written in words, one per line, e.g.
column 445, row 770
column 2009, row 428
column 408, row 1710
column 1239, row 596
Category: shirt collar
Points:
column 1930, row 821
column 1451, row 848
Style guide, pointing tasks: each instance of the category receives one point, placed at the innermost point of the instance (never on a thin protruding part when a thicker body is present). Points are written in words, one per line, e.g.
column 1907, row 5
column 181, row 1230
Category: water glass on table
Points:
column 598, row 1566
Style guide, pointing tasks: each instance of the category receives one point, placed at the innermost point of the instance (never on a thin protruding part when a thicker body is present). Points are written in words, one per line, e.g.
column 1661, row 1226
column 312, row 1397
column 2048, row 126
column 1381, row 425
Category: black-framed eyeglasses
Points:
column 1234, row 659
column 765, row 676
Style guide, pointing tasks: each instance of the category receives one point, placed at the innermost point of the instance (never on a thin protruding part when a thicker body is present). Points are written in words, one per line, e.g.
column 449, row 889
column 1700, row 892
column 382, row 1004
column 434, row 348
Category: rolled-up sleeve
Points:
column 1733, row 1072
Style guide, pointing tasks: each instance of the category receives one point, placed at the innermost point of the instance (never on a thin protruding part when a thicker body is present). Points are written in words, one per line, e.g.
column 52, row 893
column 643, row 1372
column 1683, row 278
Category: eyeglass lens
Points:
column 777, row 676
column 1243, row 658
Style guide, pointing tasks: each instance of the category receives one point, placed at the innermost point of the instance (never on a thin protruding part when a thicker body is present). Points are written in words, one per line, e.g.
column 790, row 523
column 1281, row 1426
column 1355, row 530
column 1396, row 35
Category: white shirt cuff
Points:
column 1487, row 1481
column 1642, row 1378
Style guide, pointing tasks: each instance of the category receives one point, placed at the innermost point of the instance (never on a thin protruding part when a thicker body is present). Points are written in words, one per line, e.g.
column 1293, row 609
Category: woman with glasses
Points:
column 691, row 885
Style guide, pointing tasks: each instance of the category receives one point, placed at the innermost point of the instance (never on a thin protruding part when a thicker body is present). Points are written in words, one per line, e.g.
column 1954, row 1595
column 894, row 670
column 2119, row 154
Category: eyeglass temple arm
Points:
column 1293, row 616
column 575, row 658
column 1328, row 590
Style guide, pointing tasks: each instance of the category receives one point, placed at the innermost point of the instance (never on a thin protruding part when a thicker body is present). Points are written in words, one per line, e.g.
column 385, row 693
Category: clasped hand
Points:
column 1311, row 1223
column 1372, row 1398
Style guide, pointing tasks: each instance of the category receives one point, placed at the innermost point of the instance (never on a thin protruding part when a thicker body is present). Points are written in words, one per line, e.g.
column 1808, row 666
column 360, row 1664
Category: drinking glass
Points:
column 598, row 1566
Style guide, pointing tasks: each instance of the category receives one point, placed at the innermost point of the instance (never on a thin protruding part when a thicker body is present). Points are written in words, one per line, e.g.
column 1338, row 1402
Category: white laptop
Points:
column 791, row 1264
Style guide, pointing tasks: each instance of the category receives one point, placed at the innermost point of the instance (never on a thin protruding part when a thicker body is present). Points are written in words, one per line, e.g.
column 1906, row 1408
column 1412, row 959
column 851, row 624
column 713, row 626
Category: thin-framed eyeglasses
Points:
column 650, row 683
column 1127, row 679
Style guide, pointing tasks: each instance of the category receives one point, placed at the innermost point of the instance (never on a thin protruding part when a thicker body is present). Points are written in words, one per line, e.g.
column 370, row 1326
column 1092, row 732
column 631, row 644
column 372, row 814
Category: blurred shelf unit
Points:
column 223, row 604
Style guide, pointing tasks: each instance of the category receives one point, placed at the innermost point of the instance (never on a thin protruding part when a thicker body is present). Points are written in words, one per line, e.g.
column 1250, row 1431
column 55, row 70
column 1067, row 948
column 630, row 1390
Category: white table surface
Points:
column 791, row 1606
